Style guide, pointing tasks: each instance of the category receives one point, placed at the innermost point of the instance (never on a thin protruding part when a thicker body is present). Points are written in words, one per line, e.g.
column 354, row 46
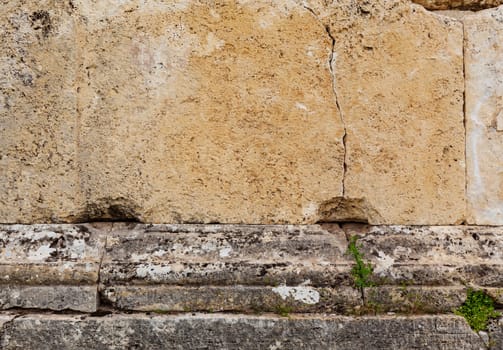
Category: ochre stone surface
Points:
column 240, row 112
column 399, row 80
column 203, row 113
column 38, row 120
column 484, row 108
column 458, row 4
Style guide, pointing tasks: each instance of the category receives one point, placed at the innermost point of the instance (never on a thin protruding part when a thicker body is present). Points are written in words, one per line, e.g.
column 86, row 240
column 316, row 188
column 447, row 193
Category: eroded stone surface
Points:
column 442, row 255
column 239, row 332
column 38, row 120
column 199, row 113
column 250, row 299
column 484, row 96
column 77, row 298
column 458, row 4
column 50, row 254
column 398, row 73
column 225, row 255
column 193, row 112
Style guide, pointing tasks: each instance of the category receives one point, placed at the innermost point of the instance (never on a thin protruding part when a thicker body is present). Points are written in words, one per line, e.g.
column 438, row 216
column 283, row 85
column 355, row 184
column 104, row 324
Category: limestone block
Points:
column 51, row 297
column 435, row 256
column 193, row 112
column 484, row 104
column 50, row 254
column 39, row 177
column 218, row 331
column 398, row 73
column 249, row 299
column 52, row 267
column 225, row 255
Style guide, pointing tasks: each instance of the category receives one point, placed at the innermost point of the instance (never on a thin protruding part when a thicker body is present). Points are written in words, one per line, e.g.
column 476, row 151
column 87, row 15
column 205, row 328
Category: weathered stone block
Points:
column 199, row 113
column 458, row 4
column 225, row 255
column 484, row 94
column 249, row 299
column 50, row 266
column 438, row 256
column 238, row 332
column 39, row 142
column 59, row 298
column 398, row 73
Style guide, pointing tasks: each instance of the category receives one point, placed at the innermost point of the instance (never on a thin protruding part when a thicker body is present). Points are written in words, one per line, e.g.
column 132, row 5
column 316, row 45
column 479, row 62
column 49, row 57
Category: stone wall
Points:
column 251, row 112
column 190, row 173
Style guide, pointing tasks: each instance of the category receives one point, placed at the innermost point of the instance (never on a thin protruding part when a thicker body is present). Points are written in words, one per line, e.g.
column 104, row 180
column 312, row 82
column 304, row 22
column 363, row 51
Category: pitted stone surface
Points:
column 429, row 255
column 458, row 4
column 398, row 73
column 484, row 95
column 225, row 255
column 238, row 332
column 186, row 112
column 249, row 299
column 50, row 254
column 39, row 175
column 50, row 297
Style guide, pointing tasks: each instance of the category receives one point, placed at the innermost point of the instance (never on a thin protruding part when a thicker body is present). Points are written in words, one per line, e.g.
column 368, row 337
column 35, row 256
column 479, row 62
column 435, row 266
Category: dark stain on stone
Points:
column 41, row 20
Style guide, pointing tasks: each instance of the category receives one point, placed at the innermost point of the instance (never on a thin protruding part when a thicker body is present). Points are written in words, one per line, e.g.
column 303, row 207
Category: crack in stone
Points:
column 334, row 89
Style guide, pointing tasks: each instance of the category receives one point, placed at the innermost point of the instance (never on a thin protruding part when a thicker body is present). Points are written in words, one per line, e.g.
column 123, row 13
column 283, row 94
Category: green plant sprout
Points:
column 477, row 309
column 361, row 271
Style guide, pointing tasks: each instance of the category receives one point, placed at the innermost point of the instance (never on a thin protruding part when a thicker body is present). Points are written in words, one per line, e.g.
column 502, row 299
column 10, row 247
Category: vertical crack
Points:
column 465, row 118
column 337, row 103
column 334, row 89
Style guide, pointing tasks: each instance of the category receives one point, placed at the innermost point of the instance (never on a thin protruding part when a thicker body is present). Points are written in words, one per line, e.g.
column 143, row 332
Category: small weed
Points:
column 477, row 309
column 361, row 271
column 283, row 310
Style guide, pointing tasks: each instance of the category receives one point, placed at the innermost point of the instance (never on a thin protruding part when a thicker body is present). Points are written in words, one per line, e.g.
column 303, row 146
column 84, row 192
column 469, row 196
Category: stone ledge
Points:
column 245, row 268
column 224, row 331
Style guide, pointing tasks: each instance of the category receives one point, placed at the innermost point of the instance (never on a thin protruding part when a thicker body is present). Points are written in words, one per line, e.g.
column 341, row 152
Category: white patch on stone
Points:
column 384, row 262
column 159, row 253
column 301, row 106
column 309, row 210
column 138, row 257
column 276, row 346
column 213, row 43
column 306, row 295
column 42, row 253
column 225, row 252
column 155, row 272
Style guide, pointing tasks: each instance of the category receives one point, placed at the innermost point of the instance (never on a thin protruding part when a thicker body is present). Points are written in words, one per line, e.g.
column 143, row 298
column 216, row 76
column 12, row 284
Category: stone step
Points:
column 226, row 331
column 245, row 268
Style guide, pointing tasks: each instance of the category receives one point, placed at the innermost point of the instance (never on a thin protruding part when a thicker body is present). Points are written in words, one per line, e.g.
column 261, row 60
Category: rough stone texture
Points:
column 249, row 299
column 246, row 268
column 412, row 299
column 496, row 334
column 50, row 254
column 442, row 256
column 238, row 332
column 225, row 255
column 458, row 4
column 233, row 113
column 398, row 73
column 58, row 298
column 193, row 112
column 38, row 121
column 484, row 96
column 50, row 266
